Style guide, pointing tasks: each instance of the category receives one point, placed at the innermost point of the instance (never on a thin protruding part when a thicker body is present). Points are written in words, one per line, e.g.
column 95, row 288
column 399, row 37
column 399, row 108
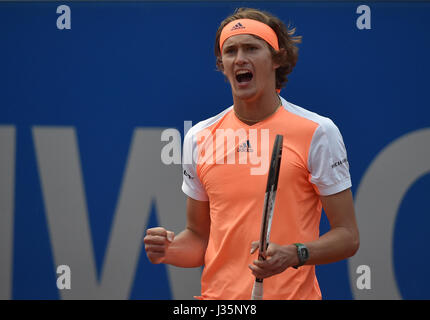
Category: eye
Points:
column 229, row 50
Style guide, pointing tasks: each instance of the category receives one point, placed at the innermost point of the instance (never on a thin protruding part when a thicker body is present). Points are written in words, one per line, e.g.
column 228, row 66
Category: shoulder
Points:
column 323, row 124
column 204, row 124
column 326, row 138
column 327, row 159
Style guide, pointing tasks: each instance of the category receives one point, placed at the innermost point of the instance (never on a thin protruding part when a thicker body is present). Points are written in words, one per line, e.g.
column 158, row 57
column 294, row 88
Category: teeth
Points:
column 242, row 72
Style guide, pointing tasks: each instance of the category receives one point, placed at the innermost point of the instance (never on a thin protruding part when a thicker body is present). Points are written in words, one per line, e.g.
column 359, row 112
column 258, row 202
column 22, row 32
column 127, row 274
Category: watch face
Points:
column 304, row 253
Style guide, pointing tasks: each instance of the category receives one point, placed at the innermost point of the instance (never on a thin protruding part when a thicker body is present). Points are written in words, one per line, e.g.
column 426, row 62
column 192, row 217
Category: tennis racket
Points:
column 269, row 204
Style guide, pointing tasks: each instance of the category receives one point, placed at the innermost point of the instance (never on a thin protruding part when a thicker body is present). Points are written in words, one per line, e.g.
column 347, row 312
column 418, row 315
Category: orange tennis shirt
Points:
column 226, row 163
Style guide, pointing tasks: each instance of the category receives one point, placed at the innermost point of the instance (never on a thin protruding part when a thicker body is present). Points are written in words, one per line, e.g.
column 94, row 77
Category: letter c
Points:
column 377, row 201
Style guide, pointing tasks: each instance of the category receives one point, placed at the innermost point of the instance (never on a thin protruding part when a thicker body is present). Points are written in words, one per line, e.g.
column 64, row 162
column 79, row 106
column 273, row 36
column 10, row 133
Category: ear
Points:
column 279, row 57
column 220, row 65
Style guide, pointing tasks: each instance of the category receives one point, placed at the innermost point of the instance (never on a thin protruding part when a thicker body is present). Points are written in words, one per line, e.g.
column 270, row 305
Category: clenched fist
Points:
column 157, row 241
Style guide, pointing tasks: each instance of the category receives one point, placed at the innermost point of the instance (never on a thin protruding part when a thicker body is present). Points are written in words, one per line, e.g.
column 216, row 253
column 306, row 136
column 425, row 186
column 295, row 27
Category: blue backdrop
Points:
column 132, row 65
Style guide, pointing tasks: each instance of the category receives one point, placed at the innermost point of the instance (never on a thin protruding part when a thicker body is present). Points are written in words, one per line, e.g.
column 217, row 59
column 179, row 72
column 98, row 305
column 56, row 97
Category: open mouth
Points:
column 243, row 76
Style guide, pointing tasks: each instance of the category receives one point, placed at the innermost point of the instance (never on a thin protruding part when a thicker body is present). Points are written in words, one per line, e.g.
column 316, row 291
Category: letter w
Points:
column 145, row 179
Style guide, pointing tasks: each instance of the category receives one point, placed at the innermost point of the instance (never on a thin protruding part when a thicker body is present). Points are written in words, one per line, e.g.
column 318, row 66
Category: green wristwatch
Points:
column 302, row 253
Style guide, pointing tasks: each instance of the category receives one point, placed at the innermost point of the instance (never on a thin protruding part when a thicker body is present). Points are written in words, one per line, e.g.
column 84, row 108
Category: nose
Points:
column 240, row 57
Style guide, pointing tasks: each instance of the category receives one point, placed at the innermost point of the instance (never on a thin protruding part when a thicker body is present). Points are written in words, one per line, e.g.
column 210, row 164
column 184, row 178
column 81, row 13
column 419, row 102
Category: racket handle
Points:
column 257, row 290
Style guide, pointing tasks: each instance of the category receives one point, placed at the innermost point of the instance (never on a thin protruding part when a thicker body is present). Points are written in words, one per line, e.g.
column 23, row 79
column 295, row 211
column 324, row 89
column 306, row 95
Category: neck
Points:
column 255, row 110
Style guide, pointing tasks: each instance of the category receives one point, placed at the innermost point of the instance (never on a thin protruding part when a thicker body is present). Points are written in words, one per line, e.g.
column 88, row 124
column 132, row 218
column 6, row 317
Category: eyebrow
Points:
column 244, row 44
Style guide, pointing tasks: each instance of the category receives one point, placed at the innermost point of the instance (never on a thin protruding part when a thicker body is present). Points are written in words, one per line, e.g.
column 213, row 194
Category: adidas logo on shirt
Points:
column 245, row 147
column 237, row 26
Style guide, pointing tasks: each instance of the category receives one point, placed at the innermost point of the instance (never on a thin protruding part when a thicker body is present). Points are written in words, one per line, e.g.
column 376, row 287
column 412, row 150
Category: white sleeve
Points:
column 328, row 161
column 191, row 185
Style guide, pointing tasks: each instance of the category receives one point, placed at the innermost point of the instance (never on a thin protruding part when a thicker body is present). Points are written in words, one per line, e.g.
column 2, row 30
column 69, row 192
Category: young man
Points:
column 255, row 52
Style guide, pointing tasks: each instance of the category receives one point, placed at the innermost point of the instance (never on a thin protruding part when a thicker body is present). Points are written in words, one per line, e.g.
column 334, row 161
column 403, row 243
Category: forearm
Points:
column 187, row 250
column 337, row 244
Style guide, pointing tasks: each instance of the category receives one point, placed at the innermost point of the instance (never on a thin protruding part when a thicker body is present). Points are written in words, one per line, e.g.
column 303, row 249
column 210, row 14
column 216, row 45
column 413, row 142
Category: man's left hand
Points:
column 277, row 259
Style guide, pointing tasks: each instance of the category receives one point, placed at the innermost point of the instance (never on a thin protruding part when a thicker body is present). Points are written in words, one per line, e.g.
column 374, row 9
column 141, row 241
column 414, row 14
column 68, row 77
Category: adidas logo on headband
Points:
column 237, row 26
column 254, row 27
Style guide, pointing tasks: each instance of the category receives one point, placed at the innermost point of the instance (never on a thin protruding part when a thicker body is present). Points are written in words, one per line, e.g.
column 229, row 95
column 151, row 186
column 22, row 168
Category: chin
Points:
column 249, row 94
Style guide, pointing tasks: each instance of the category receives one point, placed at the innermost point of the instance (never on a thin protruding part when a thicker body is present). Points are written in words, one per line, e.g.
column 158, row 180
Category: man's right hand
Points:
column 157, row 241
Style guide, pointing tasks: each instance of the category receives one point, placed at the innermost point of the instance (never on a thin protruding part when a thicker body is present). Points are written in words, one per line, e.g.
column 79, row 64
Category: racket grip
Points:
column 257, row 291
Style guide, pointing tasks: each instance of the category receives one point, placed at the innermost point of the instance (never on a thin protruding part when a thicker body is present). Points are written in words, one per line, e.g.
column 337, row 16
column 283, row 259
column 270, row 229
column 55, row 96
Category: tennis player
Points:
column 256, row 51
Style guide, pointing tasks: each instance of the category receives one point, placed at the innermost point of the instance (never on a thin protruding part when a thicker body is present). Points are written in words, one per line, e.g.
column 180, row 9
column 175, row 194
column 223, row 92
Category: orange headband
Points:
column 249, row 26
